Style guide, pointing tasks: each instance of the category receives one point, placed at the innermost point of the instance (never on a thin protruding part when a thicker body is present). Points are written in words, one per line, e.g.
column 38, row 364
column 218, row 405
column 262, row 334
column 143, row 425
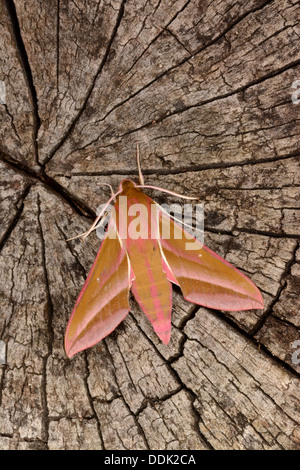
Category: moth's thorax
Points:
column 127, row 185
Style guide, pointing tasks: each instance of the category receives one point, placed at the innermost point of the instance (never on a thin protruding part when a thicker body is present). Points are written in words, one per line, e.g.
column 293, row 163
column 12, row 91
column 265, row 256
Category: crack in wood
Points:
column 236, row 91
column 182, row 62
column 19, row 210
column 91, row 400
column 89, row 92
column 79, row 206
column 249, row 335
column 12, row 121
column 181, row 384
column 27, row 70
column 158, row 36
column 57, row 43
column 263, row 233
column 283, row 284
column 240, row 391
column 50, row 326
column 158, row 77
column 185, row 169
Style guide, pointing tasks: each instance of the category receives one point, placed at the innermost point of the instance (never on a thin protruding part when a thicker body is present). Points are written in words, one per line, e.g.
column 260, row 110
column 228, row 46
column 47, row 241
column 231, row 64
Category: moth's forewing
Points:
column 103, row 301
column 150, row 286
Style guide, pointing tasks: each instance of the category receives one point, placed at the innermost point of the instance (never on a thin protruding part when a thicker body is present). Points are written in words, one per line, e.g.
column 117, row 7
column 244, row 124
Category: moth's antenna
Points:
column 172, row 193
column 141, row 177
column 172, row 217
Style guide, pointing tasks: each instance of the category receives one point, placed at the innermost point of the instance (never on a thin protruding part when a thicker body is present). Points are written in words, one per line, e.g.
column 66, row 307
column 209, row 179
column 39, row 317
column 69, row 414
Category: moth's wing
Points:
column 203, row 276
column 153, row 292
column 150, row 286
column 103, row 302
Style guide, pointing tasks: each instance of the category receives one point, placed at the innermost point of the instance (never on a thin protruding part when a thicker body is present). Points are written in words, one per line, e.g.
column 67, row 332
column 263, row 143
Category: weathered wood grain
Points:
column 17, row 120
column 238, row 397
column 206, row 89
column 280, row 333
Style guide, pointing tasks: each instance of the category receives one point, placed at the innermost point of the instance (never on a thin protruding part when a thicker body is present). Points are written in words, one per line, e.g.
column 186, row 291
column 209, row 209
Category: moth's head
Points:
column 126, row 185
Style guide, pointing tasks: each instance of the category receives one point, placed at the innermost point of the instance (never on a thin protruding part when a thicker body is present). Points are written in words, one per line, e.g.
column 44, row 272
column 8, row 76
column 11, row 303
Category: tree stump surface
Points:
column 208, row 89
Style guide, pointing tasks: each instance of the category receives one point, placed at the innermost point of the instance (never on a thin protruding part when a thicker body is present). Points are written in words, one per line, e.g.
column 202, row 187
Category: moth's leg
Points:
column 92, row 227
column 111, row 189
column 99, row 217
column 141, row 177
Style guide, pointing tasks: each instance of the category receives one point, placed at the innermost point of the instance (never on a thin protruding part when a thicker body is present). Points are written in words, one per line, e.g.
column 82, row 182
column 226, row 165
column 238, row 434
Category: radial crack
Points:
column 50, row 326
column 28, row 72
column 282, row 286
column 89, row 92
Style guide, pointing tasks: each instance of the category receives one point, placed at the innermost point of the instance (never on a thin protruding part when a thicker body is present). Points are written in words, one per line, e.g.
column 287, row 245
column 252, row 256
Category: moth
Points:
column 148, row 265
